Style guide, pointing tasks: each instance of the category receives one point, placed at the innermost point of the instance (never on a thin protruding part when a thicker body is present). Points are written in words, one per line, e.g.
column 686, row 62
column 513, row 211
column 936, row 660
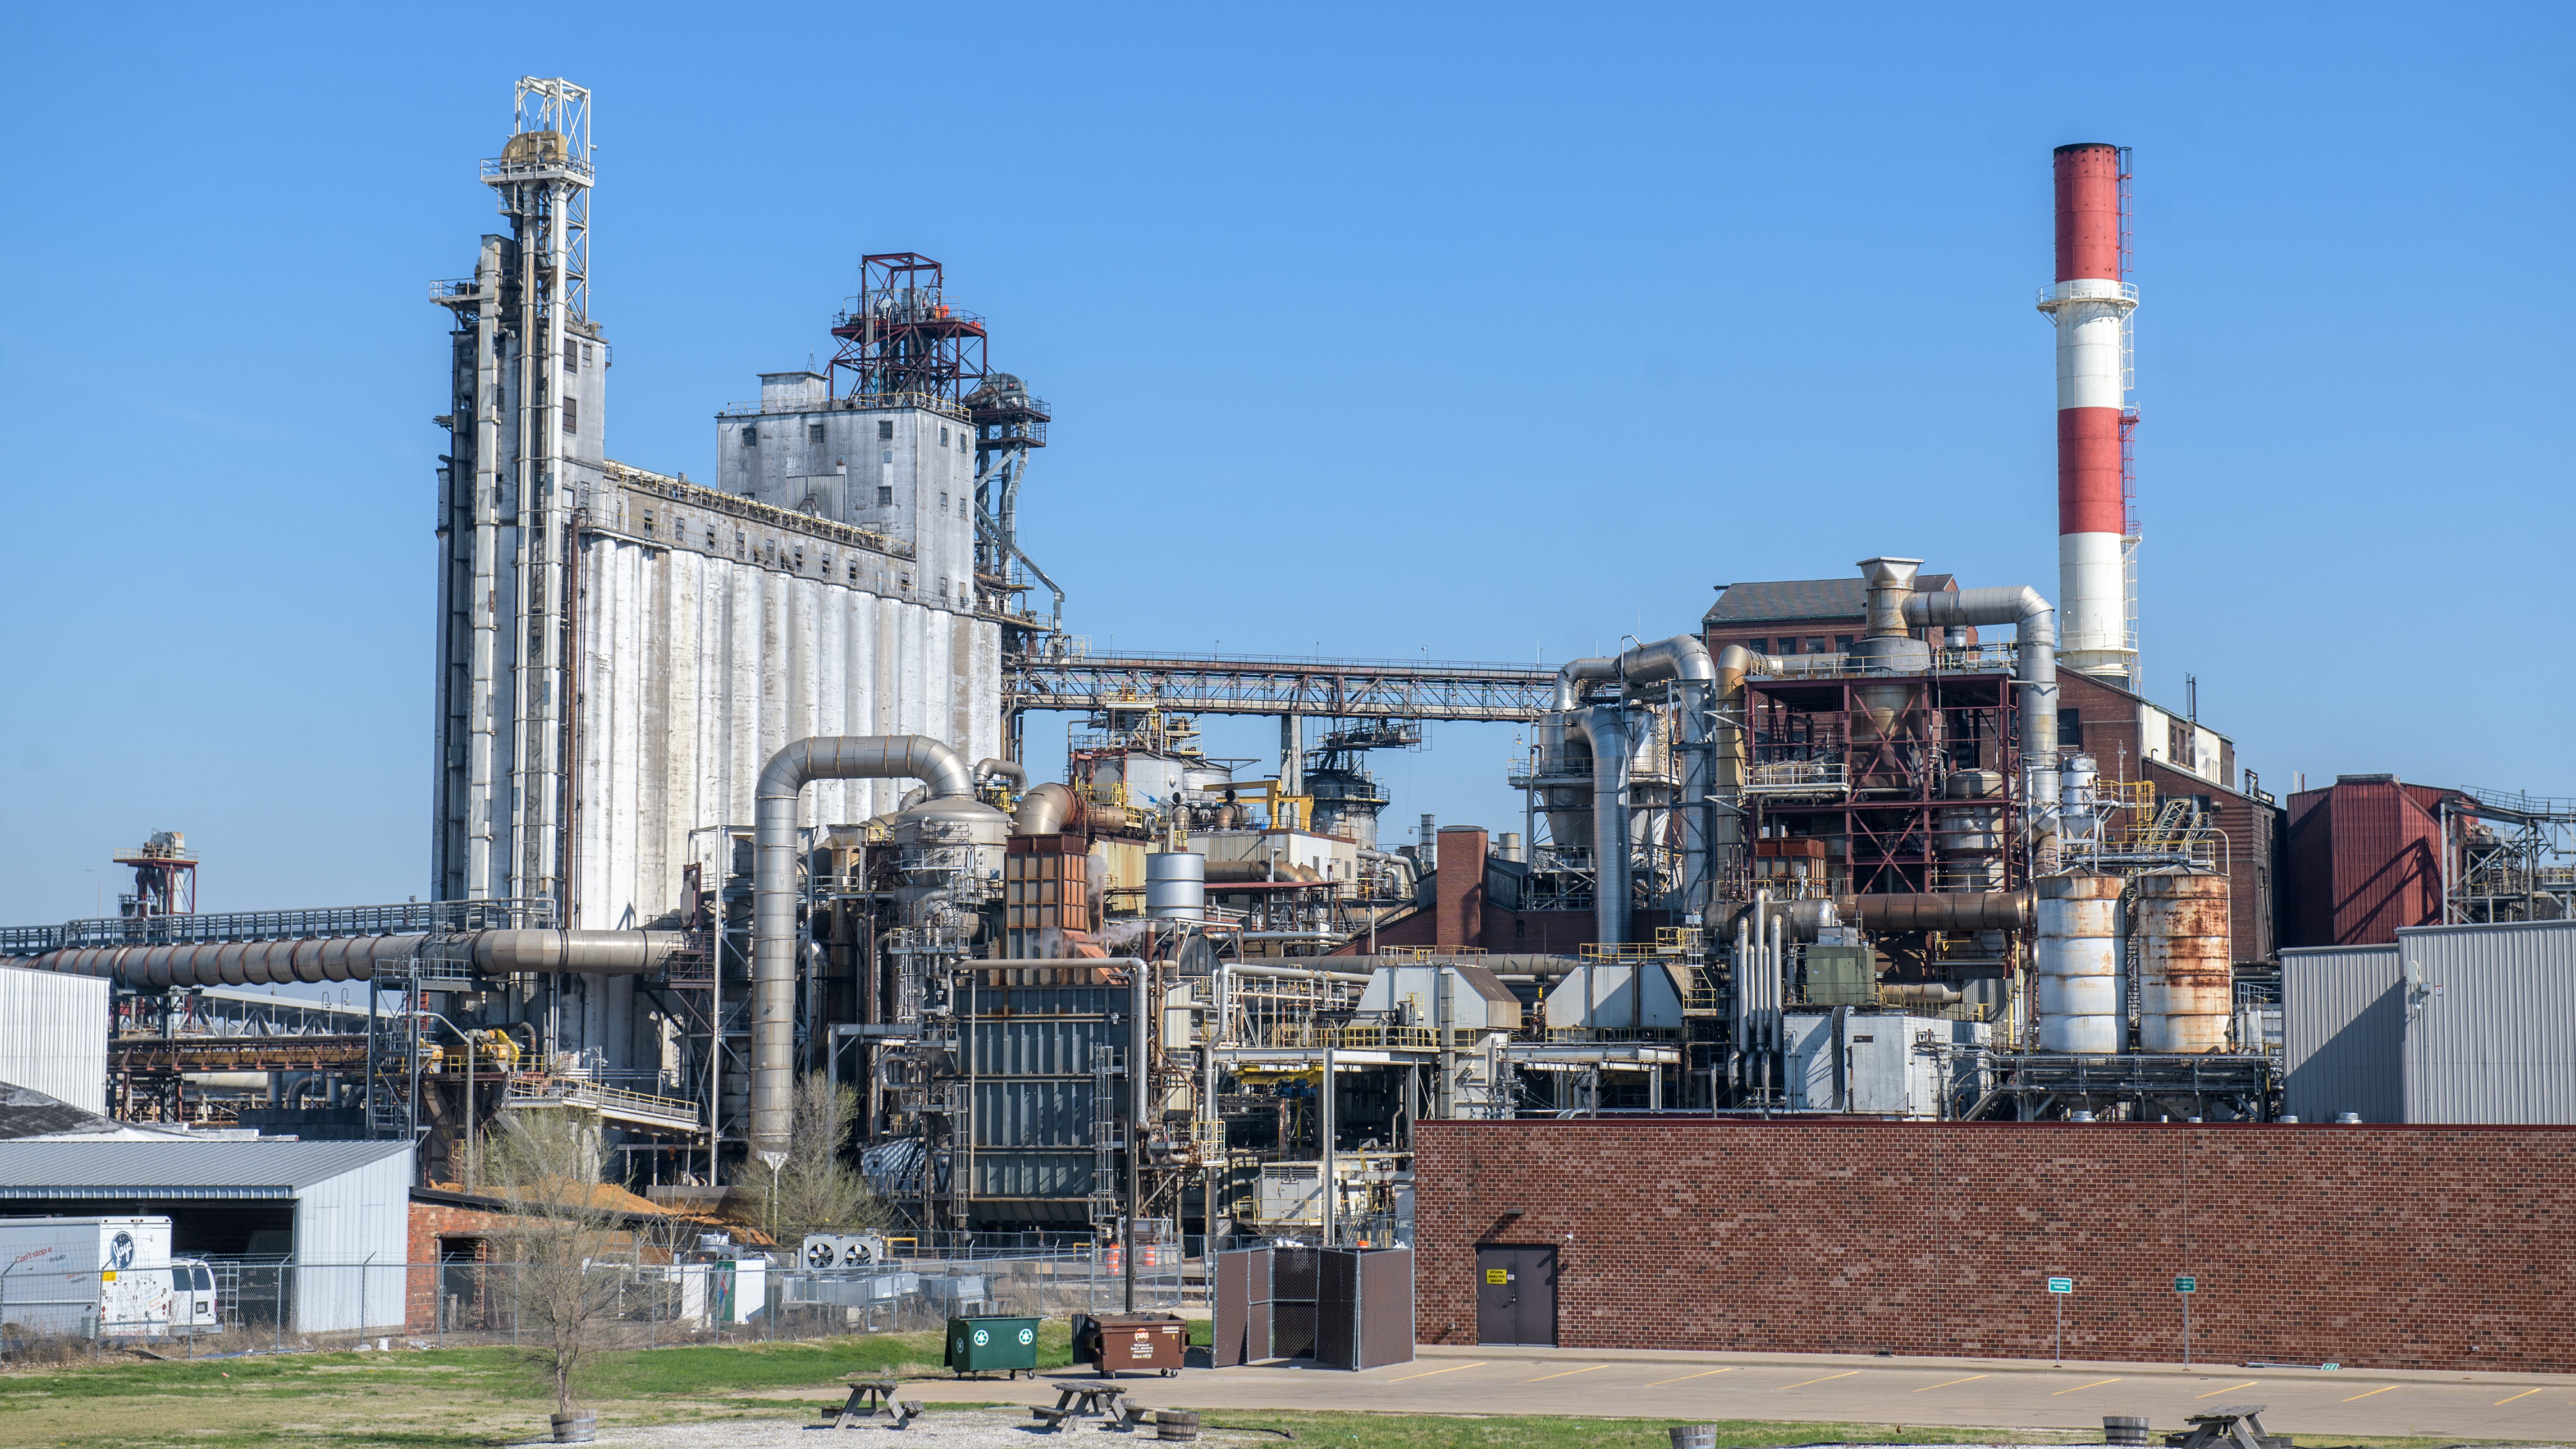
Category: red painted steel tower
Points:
column 2091, row 302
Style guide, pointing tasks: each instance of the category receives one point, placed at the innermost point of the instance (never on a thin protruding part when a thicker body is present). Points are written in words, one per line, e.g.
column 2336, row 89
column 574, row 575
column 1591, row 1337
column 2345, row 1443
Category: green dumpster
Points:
column 979, row 1344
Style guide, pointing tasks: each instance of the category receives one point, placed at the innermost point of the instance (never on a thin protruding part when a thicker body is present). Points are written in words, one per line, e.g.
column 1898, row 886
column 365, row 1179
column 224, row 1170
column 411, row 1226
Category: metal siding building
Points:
column 53, row 1035
column 2342, row 1024
column 2490, row 1036
column 350, row 1205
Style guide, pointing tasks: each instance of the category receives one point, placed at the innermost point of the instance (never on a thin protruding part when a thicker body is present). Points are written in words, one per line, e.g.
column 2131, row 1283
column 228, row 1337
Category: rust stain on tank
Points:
column 2186, row 983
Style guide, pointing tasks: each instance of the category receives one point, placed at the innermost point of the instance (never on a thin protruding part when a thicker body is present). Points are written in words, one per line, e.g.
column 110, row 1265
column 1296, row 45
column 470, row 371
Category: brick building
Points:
column 2384, row 1247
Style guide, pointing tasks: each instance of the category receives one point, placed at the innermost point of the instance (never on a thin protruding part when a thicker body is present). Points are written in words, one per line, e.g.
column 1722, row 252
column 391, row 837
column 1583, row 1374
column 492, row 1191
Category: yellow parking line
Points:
column 2526, row 1393
column 2231, row 1388
column 1802, row 1383
column 2384, row 1388
column 1927, row 1388
column 1569, row 1373
column 1451, row 1369
column 1704, row 1373
column 2079, row 1388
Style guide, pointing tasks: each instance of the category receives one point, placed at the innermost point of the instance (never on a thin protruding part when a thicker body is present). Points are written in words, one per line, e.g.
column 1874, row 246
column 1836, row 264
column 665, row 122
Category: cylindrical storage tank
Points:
column 1176, row 885
column 2186, row 984
column 1508, row 846
column 2077, row 992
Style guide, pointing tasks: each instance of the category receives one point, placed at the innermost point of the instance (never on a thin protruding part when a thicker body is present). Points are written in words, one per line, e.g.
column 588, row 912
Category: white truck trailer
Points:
column 90, row 1277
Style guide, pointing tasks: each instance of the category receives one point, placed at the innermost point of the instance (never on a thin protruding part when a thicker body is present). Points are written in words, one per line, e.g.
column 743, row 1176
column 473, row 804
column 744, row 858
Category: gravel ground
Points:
column 947, row 1428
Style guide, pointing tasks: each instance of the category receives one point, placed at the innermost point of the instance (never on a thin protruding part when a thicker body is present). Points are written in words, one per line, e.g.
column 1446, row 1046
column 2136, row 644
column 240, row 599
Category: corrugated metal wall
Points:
column 696, row 669
column 2492, row 1036
column 53, row 1035
column 361, row 1217
column 2342, row 1025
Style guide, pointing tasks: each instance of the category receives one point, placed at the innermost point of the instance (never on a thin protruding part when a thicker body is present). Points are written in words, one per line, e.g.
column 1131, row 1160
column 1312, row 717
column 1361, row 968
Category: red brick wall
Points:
column 431, row 1221
column 2385, row 1247
column 1458, row 887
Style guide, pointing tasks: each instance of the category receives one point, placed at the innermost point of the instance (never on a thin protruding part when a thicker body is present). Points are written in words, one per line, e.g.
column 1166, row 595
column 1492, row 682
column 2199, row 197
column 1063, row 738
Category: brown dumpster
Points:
column 1135, row 1343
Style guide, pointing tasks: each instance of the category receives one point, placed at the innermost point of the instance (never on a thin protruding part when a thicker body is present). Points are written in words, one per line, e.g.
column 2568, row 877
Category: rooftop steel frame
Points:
column 1354, row 689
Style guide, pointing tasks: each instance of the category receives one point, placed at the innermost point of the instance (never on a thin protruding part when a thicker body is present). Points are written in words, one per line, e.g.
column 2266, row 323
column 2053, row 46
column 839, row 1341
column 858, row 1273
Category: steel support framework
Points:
column 1254, row 684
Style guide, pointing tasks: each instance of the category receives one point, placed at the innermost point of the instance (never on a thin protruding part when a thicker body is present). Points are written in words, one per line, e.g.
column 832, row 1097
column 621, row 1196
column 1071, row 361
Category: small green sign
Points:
column 2061, row 1285
column 2186, row 1285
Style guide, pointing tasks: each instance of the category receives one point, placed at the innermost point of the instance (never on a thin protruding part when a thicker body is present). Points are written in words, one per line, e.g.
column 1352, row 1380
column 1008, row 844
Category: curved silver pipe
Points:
column 359, row 958
column 773, row 891
column 1605, row 728
column 1010, row 770
column 1043, row 810
column 1576, row 673
column 2034, row 622
column 1733, row 663
column 1684, row 659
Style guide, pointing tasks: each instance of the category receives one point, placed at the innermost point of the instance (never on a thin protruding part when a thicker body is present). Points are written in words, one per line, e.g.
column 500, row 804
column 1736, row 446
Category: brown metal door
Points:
column 1515, row 1295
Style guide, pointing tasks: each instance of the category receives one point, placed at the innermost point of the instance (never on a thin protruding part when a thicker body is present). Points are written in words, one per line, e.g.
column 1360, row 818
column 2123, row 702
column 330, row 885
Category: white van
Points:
column 193, row 1305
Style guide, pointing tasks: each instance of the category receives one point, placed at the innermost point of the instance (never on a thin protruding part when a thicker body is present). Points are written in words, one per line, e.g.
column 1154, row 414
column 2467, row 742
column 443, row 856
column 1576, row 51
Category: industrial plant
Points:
column 733, row 790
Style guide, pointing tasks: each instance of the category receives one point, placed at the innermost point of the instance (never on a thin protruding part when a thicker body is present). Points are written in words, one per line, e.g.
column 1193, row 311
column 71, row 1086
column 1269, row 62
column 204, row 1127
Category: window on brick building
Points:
column 1842, row 643
column 2070, row 729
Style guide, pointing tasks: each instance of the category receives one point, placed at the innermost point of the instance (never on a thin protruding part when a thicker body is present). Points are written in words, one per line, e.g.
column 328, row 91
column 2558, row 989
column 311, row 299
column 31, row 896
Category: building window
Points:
column 1815, row 646
column 943, row 588
column 585, row 354
column 885, row 430
column 572, row 355
column 1842, row 643
column 906, row 581
column 800, row 558
column 648, row 522
column 711, row 539
column 943, row 437
column 854, row 573
column 738, row 545
column 2180, row 738
column 814, row 433
column 572, row 414
column 2070, row 729
column 888, row 458
column 943, row 503
column 751, row 437
column 885, row 496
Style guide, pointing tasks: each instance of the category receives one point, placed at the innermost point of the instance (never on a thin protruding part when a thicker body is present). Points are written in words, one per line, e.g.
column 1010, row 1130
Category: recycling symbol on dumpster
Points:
column 1028, row 1335
column 982, row 1338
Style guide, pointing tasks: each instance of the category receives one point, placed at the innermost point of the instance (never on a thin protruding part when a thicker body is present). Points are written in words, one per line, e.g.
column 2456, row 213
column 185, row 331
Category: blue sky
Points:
column 1493, row 331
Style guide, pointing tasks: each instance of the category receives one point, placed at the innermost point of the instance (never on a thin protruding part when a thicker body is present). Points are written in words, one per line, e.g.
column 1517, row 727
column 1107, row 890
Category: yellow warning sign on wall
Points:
column 1498, row 1275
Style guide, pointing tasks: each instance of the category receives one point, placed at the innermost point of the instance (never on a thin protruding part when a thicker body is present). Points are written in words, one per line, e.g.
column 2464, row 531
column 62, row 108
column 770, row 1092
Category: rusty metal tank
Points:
column 2078, row 994
column 2186, row 987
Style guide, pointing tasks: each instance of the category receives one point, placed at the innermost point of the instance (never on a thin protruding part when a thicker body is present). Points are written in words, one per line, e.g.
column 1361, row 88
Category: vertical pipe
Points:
column 1324, row 1111
column 1139, row 1074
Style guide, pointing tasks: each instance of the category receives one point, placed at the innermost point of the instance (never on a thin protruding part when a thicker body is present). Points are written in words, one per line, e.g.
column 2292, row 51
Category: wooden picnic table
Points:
column 1076, row 1401
column 2236, row 1426
column 873, row 1396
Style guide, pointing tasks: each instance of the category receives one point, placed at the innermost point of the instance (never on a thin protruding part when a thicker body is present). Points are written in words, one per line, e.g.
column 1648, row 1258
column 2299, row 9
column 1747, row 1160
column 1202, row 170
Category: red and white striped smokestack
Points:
column 2091, row 304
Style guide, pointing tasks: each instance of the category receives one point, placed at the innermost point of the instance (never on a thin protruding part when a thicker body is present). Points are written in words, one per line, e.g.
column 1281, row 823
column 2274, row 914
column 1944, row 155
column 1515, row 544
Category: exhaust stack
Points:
column 2090, row 304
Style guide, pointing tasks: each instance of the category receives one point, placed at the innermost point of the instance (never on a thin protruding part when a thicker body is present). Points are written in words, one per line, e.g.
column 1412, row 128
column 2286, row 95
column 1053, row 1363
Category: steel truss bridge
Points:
column 1420, row 689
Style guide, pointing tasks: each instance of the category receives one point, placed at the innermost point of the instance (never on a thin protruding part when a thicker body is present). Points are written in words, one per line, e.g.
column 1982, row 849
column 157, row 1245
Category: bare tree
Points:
column 546, row 1167
column 815, row 1188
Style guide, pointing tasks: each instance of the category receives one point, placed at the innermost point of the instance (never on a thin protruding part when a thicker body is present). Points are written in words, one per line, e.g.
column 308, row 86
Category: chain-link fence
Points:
column 271, row 1306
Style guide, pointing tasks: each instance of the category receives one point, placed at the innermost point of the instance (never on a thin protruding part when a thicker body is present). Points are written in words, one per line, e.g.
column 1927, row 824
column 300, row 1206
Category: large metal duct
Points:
column 1684, row 660
column 1727, row 749
column 359, row 958
column 1044, row 810
column 773, row 891
column 1010, row 770
column 1605, row 728
column 2034, row 624
column 1953, row 911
